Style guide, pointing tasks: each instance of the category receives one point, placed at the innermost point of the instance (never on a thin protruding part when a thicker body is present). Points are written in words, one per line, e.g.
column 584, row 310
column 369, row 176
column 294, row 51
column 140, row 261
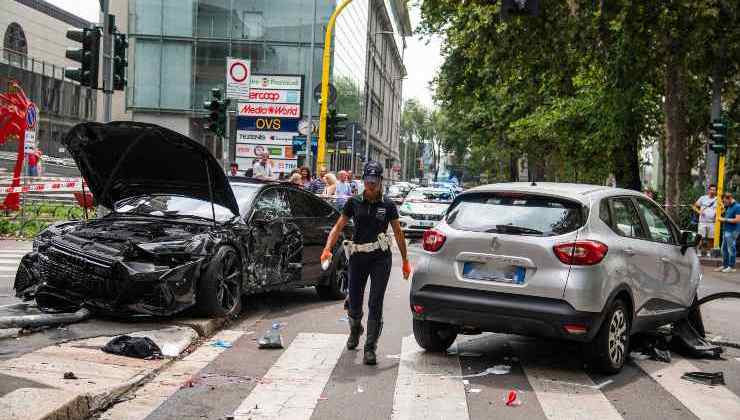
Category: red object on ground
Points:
column 511, row 399
column 84, row 200
column 14, row 105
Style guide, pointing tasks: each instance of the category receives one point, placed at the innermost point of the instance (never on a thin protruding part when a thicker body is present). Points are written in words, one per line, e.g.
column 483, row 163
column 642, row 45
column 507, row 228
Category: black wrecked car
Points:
column 180, row 234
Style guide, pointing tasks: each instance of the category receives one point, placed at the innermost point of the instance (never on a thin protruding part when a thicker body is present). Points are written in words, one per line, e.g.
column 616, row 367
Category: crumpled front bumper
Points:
column 118, row 288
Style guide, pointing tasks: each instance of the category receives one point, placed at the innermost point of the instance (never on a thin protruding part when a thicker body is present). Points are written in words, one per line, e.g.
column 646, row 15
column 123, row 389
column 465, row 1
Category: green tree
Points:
column 349, row 98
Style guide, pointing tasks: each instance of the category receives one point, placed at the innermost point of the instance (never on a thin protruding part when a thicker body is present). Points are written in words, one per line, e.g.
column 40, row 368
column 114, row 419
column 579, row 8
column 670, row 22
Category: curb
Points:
column 86, row 404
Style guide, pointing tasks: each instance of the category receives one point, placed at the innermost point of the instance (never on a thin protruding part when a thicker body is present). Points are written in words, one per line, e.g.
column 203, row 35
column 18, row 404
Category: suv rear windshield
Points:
column 515, row 214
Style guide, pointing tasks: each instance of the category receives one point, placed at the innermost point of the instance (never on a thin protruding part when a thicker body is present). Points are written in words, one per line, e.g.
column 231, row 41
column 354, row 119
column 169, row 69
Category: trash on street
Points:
column 222, row 344
column 70, row 375
column 706, row 378
column 272, row 338
column 512, row 399
column 139, row 347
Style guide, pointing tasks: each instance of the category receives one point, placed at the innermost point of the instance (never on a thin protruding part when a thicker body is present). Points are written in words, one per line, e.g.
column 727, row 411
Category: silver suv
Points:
column 578, row 262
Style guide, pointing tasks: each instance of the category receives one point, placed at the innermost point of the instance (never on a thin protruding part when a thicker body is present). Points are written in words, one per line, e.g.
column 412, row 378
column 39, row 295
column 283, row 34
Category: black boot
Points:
column 371, row 343
column 355, row 331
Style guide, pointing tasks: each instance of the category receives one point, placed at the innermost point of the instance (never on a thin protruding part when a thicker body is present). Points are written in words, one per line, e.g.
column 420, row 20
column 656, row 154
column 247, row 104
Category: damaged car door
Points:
column 310, row 214
column 277, row 249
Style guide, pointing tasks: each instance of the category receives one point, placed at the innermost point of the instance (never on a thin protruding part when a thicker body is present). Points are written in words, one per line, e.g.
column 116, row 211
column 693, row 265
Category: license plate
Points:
column 503, row 274
column 426, row 223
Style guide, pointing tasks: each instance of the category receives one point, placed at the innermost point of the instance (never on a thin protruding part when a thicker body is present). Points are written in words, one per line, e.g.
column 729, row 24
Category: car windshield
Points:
column 515, row 214
column 244, row 194
column 172, row 206
column 430, row 195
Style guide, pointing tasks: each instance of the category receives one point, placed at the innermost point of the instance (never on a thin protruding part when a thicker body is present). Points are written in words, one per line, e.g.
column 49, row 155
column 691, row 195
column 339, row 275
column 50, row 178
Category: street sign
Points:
column 32, row 114
column 332, row 93
column 303, row 127
column 237, row 78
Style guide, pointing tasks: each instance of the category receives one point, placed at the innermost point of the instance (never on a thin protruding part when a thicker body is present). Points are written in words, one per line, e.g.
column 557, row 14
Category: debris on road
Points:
column 272, row 338
column 512, row 399
column 495, row 370
column 661, row 355
column 689, row 339
column 705, row 378
column 139, row 347
column 43, row 320
column 223, row 344
column 70, row 375
column 475, row 391
column 638, row 356
column 575, row 384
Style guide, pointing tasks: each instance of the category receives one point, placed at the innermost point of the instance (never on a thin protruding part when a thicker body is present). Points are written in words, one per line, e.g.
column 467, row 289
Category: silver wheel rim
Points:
column 617, row 337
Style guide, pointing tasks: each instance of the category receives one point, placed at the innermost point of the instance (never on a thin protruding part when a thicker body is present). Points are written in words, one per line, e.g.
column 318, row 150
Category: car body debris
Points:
column 139, row 347
column 705, row 378
column 70, row 375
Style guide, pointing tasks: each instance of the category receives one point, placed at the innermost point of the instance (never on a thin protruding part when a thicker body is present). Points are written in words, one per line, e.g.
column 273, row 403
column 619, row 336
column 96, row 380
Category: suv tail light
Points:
column 433, row 240
column 581, row 252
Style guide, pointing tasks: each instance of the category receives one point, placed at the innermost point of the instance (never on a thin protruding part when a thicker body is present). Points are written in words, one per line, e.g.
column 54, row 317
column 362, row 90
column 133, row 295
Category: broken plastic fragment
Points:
column 475, row 391
column 661, row 355
column 222, row 344
column 70, row 375
column 638, row 356
column 499, row 370
column 512, row 399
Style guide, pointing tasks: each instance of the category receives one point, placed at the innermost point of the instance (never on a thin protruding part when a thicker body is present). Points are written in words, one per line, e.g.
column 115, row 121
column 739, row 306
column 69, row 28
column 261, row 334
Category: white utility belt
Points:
column 383, row 243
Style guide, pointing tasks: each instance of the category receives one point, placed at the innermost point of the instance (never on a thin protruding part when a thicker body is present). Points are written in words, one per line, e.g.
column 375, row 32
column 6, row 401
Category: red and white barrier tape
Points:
column 45, row 187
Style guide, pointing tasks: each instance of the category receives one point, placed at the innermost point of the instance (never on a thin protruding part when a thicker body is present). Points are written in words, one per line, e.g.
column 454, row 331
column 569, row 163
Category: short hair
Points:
column 727, row 194
column 712, row 186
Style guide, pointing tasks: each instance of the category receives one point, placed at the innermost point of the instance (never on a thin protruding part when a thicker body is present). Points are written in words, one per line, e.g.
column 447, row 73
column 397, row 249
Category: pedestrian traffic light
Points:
column 120, row 62
column 218, row 110
column 718, row 136
column 88, row 56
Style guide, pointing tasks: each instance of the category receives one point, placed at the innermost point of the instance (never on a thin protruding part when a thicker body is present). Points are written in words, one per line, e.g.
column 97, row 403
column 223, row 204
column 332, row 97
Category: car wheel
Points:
column 220, row 286
column 434, row 336
column 336, row 289
column 610, row 347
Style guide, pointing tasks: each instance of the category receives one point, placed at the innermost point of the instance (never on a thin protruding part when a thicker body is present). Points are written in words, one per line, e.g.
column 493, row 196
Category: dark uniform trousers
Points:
column 377, row 266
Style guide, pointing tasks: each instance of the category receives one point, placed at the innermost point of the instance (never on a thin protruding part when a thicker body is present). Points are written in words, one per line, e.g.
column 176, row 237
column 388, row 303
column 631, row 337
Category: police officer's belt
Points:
column 383, row 243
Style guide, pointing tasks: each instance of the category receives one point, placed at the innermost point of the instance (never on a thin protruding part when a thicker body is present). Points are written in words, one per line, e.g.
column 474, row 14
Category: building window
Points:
column 15, row 45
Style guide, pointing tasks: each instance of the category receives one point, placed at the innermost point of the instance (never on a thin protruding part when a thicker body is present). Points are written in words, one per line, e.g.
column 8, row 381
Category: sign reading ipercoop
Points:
column 275, row 96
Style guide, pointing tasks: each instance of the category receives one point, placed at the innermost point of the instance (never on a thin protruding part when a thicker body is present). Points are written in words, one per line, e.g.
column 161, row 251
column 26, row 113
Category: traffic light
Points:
column 120, row 62
column 217, row 116
column 88, row 56
column 718, row 136
column 336, row 126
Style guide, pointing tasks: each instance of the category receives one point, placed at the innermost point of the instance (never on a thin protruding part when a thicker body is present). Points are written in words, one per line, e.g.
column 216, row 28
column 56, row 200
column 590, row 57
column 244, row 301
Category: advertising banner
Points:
column 265, row 137
column 257, row 150
column 275, row 96
column 266, row 81
column 279, row 165
column 267, row 124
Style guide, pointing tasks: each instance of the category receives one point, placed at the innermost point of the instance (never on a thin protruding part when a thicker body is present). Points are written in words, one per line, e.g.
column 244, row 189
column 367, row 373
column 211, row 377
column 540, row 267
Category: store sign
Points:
column 237, row 78
column 257, row 150
column 264, row 137
column 269, row 110
column 274, row 96
column 264, row 81
column 267, row 124
column 278, row 165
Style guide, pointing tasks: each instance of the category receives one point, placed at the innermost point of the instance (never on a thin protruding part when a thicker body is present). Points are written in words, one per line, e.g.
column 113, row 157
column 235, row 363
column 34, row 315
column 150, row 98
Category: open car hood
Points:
column 126, row 159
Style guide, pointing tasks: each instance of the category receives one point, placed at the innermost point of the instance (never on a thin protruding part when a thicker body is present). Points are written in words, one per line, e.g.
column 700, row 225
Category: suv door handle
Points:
column 629, row 251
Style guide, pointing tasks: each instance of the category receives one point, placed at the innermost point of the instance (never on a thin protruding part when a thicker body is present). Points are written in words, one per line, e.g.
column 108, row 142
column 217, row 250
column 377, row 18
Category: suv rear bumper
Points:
column 504, row 313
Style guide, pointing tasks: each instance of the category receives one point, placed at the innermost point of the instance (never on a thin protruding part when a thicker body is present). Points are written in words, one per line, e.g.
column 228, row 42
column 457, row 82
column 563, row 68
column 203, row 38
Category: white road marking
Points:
column 14, row 261
column 706, row 402
column 572, row 396
column 5, row 269
column 421, row 392
column 293, row 385
column 149, row 397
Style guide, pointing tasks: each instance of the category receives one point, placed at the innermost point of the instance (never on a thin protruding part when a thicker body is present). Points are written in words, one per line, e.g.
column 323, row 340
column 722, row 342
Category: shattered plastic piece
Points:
column 689, row 339
column 470, row 354
column 70, row 375
column 222, row 344
column 272, row 338
column 170, row 350
column 661, row 355
column 475, row 391
column 140, row 347
column 706, row 378
column 360, row 390
column 638, row 356
column 499, row 370
column 512, row 399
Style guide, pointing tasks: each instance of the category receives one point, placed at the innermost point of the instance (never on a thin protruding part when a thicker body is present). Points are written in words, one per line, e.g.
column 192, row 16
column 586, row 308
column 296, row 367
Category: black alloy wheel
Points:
column 220, row 287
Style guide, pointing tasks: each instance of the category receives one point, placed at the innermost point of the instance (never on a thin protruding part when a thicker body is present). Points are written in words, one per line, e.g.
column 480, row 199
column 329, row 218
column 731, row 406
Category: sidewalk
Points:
column 32, row 386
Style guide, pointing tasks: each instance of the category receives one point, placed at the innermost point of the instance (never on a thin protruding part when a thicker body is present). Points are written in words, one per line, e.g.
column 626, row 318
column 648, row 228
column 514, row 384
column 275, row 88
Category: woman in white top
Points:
column 331, row 184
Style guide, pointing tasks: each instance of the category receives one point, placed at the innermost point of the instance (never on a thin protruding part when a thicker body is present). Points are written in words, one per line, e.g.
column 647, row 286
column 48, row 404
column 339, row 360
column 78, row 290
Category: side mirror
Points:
column 261, row 218
column 689, row 240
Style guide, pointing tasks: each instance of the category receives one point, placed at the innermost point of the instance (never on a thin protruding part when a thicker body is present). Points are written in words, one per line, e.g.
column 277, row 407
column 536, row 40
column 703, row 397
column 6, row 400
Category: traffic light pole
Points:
column 326, row 65
column 108, row 27
column 720, row 191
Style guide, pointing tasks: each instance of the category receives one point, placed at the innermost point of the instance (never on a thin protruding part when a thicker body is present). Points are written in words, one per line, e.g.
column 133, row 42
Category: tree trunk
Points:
column 677, row 160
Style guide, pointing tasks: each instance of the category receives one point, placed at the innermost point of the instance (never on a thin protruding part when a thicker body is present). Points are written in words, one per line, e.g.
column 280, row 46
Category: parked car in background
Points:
column 423, row 208
column 178, row 236
column 396, row 193
column 452, row 186
column 577, row 262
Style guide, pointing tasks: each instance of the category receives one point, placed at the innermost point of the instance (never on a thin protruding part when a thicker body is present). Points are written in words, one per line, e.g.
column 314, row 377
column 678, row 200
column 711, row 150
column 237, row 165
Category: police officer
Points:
column 370, row 256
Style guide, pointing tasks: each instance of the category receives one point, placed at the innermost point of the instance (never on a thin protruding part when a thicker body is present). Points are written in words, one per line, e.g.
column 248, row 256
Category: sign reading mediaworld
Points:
column 270, row 110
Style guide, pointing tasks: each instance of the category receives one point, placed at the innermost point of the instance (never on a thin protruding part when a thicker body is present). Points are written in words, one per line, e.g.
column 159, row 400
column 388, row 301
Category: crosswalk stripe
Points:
column 573, row 395
column 15, row 261
column 425, row 386
column 293, row 385
column 705, row 402
column 152, row 395
column 8, row 269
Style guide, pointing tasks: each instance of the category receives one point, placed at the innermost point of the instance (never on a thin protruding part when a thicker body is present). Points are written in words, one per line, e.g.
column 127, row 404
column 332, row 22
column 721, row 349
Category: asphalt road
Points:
column 315, row 377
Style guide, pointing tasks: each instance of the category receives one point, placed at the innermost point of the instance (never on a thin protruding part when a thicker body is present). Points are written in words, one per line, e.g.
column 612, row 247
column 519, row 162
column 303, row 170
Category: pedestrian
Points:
column 331, row 185
column 262, row 169
column 731, row 220
column 344, row 188
column 33, row 162
column 706, row 209
column 352, row 183
column 318, row 185
column 306, row 176
column 296, row 179
column 369, row 255
column 234, row 169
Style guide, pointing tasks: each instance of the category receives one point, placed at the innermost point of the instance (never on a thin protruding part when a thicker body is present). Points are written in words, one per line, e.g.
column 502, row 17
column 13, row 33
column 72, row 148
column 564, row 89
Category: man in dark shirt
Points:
column 371, row 214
